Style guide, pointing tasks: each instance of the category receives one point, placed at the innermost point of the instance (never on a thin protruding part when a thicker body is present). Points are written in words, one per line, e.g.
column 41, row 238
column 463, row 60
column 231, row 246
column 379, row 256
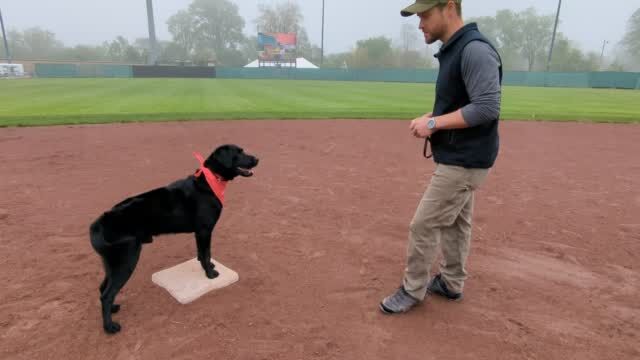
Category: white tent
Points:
column 11, row 70
column 301, row 63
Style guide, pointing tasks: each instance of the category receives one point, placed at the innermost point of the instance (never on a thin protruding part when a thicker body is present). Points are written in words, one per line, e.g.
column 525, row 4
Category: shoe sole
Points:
column 445, row 296
column 389, row 312
column 385, row 310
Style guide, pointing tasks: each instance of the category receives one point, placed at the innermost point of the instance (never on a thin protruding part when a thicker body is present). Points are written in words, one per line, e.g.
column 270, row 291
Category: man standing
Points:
column 463, row 132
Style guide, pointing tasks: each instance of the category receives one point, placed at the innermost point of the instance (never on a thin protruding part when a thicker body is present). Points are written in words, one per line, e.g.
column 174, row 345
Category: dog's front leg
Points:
column 203, row 240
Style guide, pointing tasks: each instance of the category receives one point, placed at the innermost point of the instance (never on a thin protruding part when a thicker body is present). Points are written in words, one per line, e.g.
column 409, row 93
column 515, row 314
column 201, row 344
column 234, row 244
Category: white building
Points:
column 301, row 63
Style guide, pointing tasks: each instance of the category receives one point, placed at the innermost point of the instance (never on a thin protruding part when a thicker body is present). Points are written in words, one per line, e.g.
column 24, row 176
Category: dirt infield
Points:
column 318, row 237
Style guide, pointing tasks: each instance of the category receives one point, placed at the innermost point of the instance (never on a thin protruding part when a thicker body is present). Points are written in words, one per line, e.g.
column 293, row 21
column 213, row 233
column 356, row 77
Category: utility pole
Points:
column 4, row 36
column 602, row 53
column 553, row 38
column 152, row 34
column 322, row 40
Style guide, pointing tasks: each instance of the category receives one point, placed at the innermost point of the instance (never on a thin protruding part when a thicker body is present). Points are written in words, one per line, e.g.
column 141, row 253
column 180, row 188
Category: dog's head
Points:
column 229, row 161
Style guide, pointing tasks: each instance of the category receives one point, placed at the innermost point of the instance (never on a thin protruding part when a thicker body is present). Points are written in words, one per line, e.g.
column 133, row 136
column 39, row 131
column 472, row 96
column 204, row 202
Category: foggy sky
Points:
column 587, row 22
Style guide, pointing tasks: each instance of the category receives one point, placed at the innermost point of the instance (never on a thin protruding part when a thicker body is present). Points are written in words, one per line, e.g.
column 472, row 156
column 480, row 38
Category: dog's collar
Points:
column 216, row 183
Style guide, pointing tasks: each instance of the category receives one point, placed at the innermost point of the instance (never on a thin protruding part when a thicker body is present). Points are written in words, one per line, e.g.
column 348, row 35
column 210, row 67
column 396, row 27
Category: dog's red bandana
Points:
column 216, row 184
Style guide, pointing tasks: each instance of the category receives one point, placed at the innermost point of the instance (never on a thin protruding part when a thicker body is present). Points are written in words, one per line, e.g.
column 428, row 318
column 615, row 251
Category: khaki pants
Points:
column 443, row 217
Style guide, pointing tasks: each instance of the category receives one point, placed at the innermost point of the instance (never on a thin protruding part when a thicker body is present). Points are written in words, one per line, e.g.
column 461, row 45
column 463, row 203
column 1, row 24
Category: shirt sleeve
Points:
column 480, row 72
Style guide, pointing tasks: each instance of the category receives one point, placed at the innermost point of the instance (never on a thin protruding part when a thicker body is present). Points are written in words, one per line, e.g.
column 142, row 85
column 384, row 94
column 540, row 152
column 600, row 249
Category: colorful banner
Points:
column 277, row 46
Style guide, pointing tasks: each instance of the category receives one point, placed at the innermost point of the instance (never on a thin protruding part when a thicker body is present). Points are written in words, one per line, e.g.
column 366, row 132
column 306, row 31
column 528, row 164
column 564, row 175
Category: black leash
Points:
column 424, row 151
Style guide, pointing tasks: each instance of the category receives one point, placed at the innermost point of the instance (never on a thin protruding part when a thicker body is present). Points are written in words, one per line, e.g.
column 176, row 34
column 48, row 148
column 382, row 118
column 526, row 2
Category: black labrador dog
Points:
column 189, row 205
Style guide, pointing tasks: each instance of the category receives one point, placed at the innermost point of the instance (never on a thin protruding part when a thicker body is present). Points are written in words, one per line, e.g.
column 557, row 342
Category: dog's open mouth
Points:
column 245, row 172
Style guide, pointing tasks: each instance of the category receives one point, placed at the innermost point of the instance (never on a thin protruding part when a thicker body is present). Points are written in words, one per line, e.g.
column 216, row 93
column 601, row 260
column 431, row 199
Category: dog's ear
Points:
column 223, row 157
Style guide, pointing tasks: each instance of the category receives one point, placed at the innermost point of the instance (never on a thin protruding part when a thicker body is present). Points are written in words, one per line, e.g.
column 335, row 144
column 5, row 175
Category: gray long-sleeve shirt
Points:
column 481, row 76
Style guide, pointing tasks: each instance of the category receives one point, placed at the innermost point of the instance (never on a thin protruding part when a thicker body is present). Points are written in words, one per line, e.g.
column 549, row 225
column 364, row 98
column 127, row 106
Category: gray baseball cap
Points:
column 423, row 5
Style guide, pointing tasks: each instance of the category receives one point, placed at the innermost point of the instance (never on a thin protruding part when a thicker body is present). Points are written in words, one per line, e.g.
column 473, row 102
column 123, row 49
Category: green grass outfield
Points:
column 71, row 101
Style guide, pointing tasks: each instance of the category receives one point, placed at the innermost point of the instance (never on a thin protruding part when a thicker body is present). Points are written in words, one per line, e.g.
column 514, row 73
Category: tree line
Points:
column 212, row 30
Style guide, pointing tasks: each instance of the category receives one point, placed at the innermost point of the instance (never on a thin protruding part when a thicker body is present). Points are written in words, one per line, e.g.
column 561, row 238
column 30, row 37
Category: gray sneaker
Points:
column 399, row 302
column 437, row 286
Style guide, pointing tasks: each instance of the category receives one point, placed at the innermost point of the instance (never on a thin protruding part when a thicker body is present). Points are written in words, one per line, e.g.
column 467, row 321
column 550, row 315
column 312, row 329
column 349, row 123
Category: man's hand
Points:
column 419, row 127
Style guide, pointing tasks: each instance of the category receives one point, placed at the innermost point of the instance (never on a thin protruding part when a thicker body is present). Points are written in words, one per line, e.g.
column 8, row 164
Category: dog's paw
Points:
column 112, row 327
column 212, row 273
column 115, row 308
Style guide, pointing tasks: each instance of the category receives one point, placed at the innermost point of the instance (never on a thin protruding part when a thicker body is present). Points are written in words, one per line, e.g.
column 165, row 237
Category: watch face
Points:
column 431, row 123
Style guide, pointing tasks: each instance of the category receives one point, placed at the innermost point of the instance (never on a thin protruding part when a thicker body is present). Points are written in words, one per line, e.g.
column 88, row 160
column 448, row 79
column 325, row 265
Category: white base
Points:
column 187, row 282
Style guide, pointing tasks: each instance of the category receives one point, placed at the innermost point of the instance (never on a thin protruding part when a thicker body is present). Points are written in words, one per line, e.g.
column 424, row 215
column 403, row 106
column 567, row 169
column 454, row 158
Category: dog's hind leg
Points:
column 104, row 283
column 119, row 272
column 99, row 244
column 115, row 307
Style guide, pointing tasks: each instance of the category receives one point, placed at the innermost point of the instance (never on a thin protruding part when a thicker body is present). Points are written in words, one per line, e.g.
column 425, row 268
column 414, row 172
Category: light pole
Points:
column 553, row 38
column 4, row 36
column 602, row 53
column 152, row 34
column 322, row 39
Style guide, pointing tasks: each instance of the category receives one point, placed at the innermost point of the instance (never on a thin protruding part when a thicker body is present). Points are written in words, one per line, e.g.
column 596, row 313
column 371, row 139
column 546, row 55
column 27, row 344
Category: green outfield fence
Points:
column 608, row 79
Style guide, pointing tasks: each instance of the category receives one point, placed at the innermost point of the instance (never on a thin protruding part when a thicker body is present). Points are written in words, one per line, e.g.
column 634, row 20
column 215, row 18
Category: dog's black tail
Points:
column 96, row 234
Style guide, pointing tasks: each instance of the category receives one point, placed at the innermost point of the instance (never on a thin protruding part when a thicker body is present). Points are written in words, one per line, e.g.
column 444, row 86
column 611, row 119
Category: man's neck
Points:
column 453, row 28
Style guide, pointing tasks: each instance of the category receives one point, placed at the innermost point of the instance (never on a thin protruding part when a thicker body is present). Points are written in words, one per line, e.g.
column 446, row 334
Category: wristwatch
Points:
column 431, row 123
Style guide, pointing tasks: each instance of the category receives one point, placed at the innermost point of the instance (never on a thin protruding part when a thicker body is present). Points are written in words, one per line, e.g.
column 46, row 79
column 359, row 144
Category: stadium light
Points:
column 4, row 36
column 322, row 39
column 553, row 38
column 604, row 43
column 152, row 34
